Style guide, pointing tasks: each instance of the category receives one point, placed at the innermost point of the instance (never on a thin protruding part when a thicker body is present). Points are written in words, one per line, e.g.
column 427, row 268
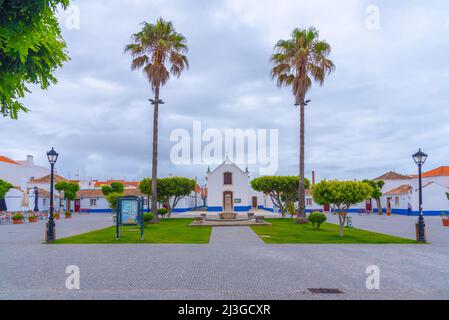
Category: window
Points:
column 308, row 201
column 228, row 178
column 145, row 201
column 44, row 202
column 396, row 201
column 93, row 202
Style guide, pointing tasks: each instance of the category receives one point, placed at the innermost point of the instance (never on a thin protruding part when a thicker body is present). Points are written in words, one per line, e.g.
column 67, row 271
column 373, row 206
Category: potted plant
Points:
column 445, row 220
column 17, row 218
column 32, row 218
column 56, row 216
column 68, row 215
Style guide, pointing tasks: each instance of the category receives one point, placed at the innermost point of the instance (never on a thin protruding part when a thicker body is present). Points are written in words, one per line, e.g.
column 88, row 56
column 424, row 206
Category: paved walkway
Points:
column 235, row 265
column 228, row 236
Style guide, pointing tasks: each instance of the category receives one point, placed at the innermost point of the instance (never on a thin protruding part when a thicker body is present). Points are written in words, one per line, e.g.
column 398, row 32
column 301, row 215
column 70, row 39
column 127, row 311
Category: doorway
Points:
column 369, row 205
column 254, row 202
column 228, row 194
column 77, row 205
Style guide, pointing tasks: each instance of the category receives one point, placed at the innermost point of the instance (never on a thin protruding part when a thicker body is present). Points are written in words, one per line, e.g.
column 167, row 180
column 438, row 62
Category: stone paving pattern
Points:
column 235, row 265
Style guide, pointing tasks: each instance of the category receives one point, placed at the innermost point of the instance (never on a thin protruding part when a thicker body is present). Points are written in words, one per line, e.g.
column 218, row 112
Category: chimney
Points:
column 30, row 160
column 313, row 178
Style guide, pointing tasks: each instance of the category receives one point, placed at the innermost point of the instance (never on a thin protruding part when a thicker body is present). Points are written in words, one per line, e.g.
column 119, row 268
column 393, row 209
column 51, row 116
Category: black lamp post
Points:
column 420, row 158
column 36, row 199
column 52, row 156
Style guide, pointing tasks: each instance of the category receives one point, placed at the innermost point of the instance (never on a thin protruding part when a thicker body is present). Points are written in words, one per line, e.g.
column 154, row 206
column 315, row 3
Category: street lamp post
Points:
column 52, row 156
column 420, row 158
column 36, row 199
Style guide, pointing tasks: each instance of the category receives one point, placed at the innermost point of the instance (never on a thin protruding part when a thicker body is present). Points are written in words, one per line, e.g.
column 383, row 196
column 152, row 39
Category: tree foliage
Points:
column 112, row 192
column 169, row 190
column 70, row 189
column 377, row 186
column 114, row 187
column 341, row 195
column 4, row 188
column 173, row 189
column 31, row 49
column 281, row 189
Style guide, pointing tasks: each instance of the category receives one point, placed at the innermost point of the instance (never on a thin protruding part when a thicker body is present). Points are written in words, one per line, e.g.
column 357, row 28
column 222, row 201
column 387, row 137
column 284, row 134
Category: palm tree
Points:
column 297, row 62
column 159, row 51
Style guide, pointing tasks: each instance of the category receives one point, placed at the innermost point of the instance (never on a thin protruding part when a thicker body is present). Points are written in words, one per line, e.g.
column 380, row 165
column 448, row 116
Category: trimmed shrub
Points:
column 162, row 212
column 147, row 217
column 317, row 218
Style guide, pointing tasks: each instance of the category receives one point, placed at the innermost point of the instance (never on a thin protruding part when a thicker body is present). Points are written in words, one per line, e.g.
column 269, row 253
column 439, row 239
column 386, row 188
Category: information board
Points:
column 130, row 211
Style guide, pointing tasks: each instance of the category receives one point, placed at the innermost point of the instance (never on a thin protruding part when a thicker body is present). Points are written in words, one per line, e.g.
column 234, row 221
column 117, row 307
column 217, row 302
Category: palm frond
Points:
column 156, row 49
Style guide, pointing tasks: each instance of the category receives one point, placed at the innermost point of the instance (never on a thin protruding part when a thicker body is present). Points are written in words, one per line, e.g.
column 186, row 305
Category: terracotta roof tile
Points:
column 8, row 160
column 393, row 176
column 46, row 179
column 403, row 189
column 440, row 171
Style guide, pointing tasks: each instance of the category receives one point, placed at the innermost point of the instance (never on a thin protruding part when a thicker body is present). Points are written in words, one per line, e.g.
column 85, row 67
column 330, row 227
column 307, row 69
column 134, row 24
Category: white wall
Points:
column 18, row 175
column 240, row 186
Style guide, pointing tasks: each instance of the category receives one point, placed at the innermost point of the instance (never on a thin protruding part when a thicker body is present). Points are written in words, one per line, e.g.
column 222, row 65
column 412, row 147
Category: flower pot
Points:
column 32, row 220
column 446, row 222
column 68, row 217
column 17, row 221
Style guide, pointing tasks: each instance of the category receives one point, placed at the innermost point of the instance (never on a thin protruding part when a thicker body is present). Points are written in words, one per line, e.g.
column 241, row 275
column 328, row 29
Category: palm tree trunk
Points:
column 302, row 217
column 154, row 166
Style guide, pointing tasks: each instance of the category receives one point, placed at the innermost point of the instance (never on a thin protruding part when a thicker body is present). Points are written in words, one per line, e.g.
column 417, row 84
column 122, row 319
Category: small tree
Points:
column 317, row 219
column 341, row 195
column 145, row 188
column 4, row 188
column 377, row 186
column 112, row 193
column 70, row 189
column 281, row 189
column 172, row 190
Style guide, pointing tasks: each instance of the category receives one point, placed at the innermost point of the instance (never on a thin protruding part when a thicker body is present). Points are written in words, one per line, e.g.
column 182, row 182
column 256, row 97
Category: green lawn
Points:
column 287, row 231
column 166, row 231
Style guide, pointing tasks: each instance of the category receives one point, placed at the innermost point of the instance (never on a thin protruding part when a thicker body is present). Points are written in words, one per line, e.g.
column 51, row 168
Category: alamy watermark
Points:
column 372, row 21
column 373, row 280
column 73, row 280
column 242, row 146
column 70, row 17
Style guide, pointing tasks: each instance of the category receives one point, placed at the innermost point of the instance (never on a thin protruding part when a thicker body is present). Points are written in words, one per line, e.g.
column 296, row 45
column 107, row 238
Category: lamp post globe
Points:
column 52, row 156
column 420, row 158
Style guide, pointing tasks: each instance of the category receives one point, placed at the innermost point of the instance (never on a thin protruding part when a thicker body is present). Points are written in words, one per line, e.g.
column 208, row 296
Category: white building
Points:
column 19, row 173
column 229, row 180
column 401, row 193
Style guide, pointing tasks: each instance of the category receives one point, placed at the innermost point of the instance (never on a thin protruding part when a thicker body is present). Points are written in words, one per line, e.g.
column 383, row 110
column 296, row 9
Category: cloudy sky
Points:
column 387, row 97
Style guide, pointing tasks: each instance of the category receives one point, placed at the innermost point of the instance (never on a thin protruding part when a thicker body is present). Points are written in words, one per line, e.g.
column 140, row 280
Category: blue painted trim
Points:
column 242, row 208
column 96, row 210
column 236, row 209
column 181, row 210
column 267, row 209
